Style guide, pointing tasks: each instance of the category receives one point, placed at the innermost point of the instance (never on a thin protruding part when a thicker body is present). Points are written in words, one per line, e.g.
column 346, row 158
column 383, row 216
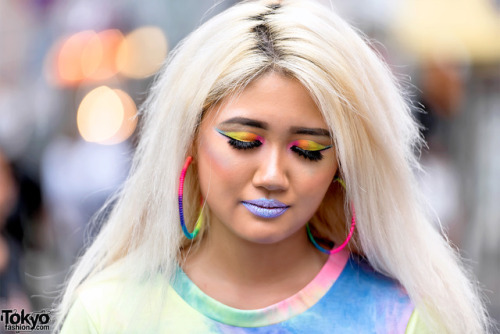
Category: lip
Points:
column 265, row 208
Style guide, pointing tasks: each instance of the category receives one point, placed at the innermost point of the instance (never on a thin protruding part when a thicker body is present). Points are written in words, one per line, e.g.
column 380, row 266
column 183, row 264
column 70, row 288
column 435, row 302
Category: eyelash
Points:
column 243, row 145
column 311, row 155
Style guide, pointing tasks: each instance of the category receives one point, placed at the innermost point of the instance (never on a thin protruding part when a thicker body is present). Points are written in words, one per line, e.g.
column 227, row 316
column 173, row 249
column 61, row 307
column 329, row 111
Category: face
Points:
column 265, row 160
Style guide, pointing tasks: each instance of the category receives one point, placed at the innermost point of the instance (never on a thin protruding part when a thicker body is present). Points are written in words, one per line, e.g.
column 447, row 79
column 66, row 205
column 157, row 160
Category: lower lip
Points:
column 265, row 212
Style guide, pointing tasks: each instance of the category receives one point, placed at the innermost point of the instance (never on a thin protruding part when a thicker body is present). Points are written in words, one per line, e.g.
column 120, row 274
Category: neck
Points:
column 250, row 275
column 248, row 263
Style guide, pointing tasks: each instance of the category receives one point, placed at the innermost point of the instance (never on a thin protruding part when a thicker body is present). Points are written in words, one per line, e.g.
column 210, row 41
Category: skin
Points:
column 246, row 261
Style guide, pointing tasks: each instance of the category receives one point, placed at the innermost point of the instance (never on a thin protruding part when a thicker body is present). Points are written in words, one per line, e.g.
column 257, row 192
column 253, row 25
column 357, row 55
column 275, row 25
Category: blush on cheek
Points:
column 215, row 156
column 218, row 165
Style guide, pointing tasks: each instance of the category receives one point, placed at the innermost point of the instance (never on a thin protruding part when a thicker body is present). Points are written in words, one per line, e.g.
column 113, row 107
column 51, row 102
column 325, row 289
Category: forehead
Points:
column 272, row 98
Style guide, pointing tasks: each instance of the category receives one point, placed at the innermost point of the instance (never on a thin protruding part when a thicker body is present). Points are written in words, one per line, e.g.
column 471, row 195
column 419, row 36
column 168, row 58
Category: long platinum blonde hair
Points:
column 374, row 134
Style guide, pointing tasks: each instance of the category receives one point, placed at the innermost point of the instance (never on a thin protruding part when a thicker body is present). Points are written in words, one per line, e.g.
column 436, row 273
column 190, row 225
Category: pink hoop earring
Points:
column 199, row 221
column 349, row 236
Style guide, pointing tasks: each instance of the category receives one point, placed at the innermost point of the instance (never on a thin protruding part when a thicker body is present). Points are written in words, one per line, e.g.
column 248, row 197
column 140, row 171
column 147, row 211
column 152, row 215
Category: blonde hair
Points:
column 372, row 128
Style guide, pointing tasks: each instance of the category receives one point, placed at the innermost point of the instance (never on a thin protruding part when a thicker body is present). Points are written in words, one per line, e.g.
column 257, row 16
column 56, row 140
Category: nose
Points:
column 271, row 173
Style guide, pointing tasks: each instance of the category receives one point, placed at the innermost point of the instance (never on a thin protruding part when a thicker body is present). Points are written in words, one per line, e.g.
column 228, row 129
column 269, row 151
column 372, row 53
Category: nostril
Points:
column 271, row 180
column 271, row 173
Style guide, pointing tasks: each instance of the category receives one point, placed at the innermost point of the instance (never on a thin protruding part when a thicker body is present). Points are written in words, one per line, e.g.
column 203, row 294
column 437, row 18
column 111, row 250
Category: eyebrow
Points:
column 310, row 131
column 248, row 122
column 263, row 125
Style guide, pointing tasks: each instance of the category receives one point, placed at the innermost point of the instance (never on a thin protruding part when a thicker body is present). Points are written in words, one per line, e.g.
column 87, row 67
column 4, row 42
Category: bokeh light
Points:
column 106, row 116
column 98, row 57
column 142, row 52
column 129, row 122
column 84, row 56
column 69, row 69
column 88, row 56
column 446, row 29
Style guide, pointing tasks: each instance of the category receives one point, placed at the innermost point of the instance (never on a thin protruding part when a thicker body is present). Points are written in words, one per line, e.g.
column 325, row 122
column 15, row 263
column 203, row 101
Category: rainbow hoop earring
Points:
column 349, row 236
column 199, row 221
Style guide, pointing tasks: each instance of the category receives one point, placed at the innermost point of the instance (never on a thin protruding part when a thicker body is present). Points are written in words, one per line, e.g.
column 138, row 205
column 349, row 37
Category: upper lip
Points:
column 267, row 203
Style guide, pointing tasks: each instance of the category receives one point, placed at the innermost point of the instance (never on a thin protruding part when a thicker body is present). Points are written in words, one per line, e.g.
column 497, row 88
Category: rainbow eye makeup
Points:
column 242, row 140
column 308, row 149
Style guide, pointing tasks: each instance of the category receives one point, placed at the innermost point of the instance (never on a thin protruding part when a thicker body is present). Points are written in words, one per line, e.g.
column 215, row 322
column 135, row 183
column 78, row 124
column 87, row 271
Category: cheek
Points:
column 219, row 172
column 315, row 183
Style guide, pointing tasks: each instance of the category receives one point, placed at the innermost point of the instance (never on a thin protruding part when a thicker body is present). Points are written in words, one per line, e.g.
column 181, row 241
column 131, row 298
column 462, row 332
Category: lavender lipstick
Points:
column 265, row 208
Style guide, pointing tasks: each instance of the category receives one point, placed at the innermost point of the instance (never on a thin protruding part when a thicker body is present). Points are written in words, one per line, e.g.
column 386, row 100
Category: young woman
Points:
column 273, row 138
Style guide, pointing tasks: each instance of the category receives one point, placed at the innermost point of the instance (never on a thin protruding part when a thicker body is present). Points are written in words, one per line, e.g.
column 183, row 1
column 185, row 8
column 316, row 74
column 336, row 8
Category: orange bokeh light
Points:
column 106, row 116
column 69, row 65
column 88, row 56
column 129, row 122
column 100, row 54
column 85, row 56
column 142, row 52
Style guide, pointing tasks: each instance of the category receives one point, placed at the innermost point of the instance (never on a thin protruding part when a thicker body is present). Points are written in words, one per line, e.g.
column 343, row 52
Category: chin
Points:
column 263, row 236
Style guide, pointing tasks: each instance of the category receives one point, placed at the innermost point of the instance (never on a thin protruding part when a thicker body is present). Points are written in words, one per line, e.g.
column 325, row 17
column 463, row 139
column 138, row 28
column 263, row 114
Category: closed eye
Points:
column 308, row 149
column 242, row 140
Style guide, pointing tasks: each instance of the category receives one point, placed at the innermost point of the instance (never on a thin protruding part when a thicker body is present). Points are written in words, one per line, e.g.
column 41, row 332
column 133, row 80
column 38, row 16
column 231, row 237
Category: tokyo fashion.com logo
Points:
column 25, row 321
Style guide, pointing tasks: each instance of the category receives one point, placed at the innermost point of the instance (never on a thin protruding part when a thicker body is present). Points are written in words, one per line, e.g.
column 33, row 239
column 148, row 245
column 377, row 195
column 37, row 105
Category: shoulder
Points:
column 92, row 305
column 360, row 273
column 115, row 305
column 370, row 301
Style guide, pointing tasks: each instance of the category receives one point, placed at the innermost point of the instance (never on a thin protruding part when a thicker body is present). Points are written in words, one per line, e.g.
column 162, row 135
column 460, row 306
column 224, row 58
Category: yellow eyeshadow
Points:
column 309, row 145
column 240, row 135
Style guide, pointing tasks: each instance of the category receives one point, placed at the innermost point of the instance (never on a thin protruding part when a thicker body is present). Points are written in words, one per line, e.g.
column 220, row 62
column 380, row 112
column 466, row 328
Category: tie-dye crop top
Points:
column 346, row 296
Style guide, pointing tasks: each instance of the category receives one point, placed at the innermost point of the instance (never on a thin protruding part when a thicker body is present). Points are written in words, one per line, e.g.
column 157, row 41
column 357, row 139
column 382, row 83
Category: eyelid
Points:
column 309, row 145
column 242, row 136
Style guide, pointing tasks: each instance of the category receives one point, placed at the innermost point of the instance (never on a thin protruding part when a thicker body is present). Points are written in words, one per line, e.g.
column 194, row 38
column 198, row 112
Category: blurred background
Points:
column 73, row 73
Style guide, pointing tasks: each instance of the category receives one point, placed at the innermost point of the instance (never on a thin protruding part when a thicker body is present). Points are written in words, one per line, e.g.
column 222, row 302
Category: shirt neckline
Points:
column 272, row 314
